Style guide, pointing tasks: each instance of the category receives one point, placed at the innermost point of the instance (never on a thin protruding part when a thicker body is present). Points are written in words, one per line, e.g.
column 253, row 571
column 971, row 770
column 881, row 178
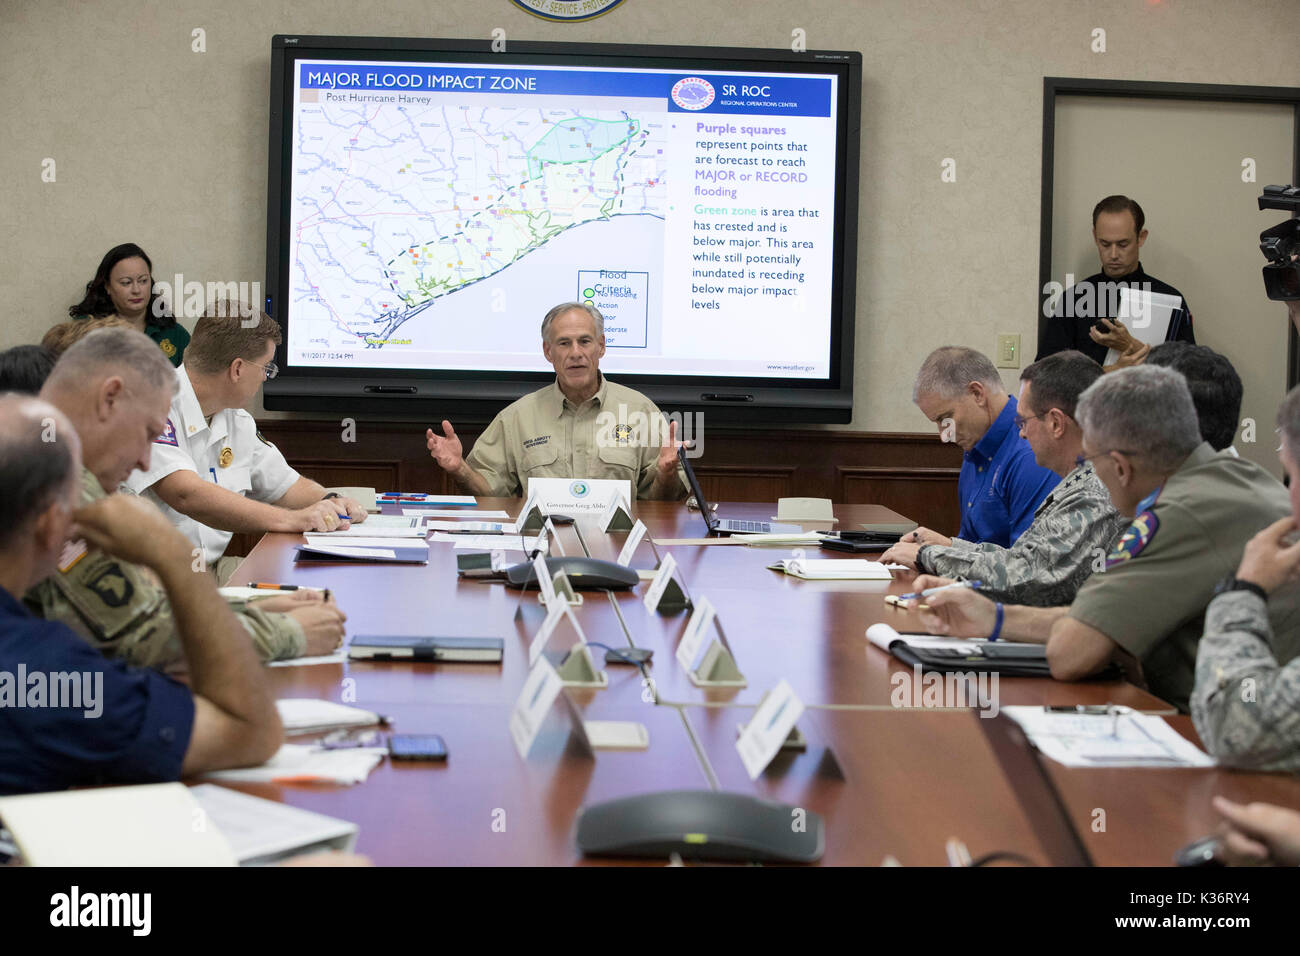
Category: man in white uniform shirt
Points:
column 211, row 471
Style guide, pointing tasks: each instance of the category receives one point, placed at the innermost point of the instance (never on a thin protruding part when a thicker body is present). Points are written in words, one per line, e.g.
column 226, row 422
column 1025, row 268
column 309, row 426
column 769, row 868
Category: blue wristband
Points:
column 997, row 626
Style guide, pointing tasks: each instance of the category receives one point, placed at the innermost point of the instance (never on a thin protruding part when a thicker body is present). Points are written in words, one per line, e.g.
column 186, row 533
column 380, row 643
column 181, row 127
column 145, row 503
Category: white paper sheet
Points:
column 294, row 763
column 453, row 513
column 301, row 715
column 259, row 829
column 338, row 657
column 1128, row 739
column 250, row 594
column 487, row 542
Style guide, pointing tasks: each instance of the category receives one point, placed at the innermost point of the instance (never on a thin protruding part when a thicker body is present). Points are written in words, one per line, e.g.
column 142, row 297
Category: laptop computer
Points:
column 728, row 525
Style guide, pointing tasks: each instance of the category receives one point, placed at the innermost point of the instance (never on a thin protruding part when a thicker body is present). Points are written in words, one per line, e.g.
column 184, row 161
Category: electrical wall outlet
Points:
column 1008, row 354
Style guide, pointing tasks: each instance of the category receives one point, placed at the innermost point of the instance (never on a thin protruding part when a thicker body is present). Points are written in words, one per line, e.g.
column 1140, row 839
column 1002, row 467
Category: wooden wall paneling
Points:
column 913, row 474
column 928, row 495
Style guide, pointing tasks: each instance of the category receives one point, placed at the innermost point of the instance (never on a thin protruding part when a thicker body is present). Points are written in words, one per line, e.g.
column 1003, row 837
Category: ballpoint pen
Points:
column 973, row 585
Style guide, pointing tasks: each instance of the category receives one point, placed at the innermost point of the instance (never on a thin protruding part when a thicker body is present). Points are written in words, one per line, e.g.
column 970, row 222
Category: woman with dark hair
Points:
column 123, row 286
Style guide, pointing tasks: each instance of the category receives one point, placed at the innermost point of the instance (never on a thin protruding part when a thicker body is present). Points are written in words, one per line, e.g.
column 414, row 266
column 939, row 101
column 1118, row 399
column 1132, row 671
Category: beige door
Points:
column 1182, row 160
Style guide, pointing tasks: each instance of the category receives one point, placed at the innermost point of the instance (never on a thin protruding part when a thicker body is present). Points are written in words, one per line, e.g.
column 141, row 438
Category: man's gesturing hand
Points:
column 668, row 450
column 446, row 451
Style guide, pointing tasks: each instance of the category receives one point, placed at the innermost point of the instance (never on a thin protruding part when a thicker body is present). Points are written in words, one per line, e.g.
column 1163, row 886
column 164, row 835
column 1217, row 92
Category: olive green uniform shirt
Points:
column 123, row 610
column 1151, row 597
column 616, row 434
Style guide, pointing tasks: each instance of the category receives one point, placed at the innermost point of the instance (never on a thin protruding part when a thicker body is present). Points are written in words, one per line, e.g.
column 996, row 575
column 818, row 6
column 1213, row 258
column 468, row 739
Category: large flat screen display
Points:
column 430, row 200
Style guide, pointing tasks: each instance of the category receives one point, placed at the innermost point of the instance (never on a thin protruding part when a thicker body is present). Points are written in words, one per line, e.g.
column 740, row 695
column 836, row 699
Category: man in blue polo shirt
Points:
column 68, row 715
column 1000, row 486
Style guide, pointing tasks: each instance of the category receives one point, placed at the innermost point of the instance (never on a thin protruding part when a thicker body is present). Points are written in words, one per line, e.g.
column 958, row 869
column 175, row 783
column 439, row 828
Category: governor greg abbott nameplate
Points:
column 584, row 497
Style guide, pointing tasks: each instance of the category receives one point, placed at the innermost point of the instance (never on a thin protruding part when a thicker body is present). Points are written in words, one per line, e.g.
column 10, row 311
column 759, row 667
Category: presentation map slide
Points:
column 438, row 211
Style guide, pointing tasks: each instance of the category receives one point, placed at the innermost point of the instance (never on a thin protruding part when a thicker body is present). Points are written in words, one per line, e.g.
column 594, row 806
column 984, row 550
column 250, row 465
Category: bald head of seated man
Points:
column 99, row 720
column 580, row 426
column 1193, row 510
column 116, row 387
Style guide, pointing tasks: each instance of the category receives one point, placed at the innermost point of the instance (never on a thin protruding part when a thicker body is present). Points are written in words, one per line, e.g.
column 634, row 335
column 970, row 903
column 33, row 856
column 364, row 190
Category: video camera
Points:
column 1279, row 244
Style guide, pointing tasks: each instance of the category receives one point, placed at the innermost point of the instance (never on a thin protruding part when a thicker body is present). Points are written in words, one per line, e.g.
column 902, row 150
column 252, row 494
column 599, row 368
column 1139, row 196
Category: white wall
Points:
column 166, row 147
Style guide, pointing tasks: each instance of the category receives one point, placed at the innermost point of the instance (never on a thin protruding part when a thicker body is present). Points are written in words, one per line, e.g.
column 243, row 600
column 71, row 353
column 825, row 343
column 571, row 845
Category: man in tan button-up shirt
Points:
column 580, row 426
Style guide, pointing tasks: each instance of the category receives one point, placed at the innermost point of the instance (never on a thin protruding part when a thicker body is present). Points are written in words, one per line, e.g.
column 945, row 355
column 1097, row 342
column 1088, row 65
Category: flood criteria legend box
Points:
column 623, row 299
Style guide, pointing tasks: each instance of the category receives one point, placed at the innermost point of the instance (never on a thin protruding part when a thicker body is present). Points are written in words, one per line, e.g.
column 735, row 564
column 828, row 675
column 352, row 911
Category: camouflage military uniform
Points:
column 1045, row 567
column 1246, row 706
column 122, row 609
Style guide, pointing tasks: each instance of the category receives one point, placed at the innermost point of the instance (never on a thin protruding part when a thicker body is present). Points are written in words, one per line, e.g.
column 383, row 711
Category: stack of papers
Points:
column 1122, row 739
column 294, row 763
column 337, row 657
column 306, row 715
column 264, row 831
column 236, row 592
column 451, row 513
column 406, row 528
column 488, row 542
column 472, row 527
column 882, row 635
column 148, row 825
column 320, row 547
column 427, row 500
column 834, row 569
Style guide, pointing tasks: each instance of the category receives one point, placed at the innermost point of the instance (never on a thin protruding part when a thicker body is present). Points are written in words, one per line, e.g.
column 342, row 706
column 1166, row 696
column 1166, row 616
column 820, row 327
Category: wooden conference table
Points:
column 887, row 781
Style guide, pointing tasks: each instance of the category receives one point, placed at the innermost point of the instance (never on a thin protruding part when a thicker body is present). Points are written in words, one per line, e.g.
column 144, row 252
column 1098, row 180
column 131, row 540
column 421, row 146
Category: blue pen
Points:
column 214, row 475
column 973, row 585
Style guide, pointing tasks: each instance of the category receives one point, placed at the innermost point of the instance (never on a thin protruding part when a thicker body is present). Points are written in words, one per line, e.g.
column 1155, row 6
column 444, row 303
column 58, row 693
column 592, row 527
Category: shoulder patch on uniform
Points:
column 168, row 436
column 262, row 440
column 111, row 586
column 73, row 551
column 1137, row 537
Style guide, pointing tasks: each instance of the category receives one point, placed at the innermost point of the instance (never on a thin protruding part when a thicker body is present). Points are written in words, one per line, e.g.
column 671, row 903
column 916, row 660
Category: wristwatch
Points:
column 1233, row 583
column 332, row 494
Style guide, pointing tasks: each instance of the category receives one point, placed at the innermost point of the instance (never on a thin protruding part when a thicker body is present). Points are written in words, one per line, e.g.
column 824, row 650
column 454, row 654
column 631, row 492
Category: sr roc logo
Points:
column 693, row 93
column 579, row 489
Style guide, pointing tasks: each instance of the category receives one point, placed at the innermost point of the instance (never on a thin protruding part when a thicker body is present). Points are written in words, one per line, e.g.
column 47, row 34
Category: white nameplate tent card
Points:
column 579, row 497
column 531, row 516
column 634, row 539
column 771, row 729
column 717, row 667
column 552, row 585
column 667, row 592
column 618, row 514
column 576, row 668
column 541, row 689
